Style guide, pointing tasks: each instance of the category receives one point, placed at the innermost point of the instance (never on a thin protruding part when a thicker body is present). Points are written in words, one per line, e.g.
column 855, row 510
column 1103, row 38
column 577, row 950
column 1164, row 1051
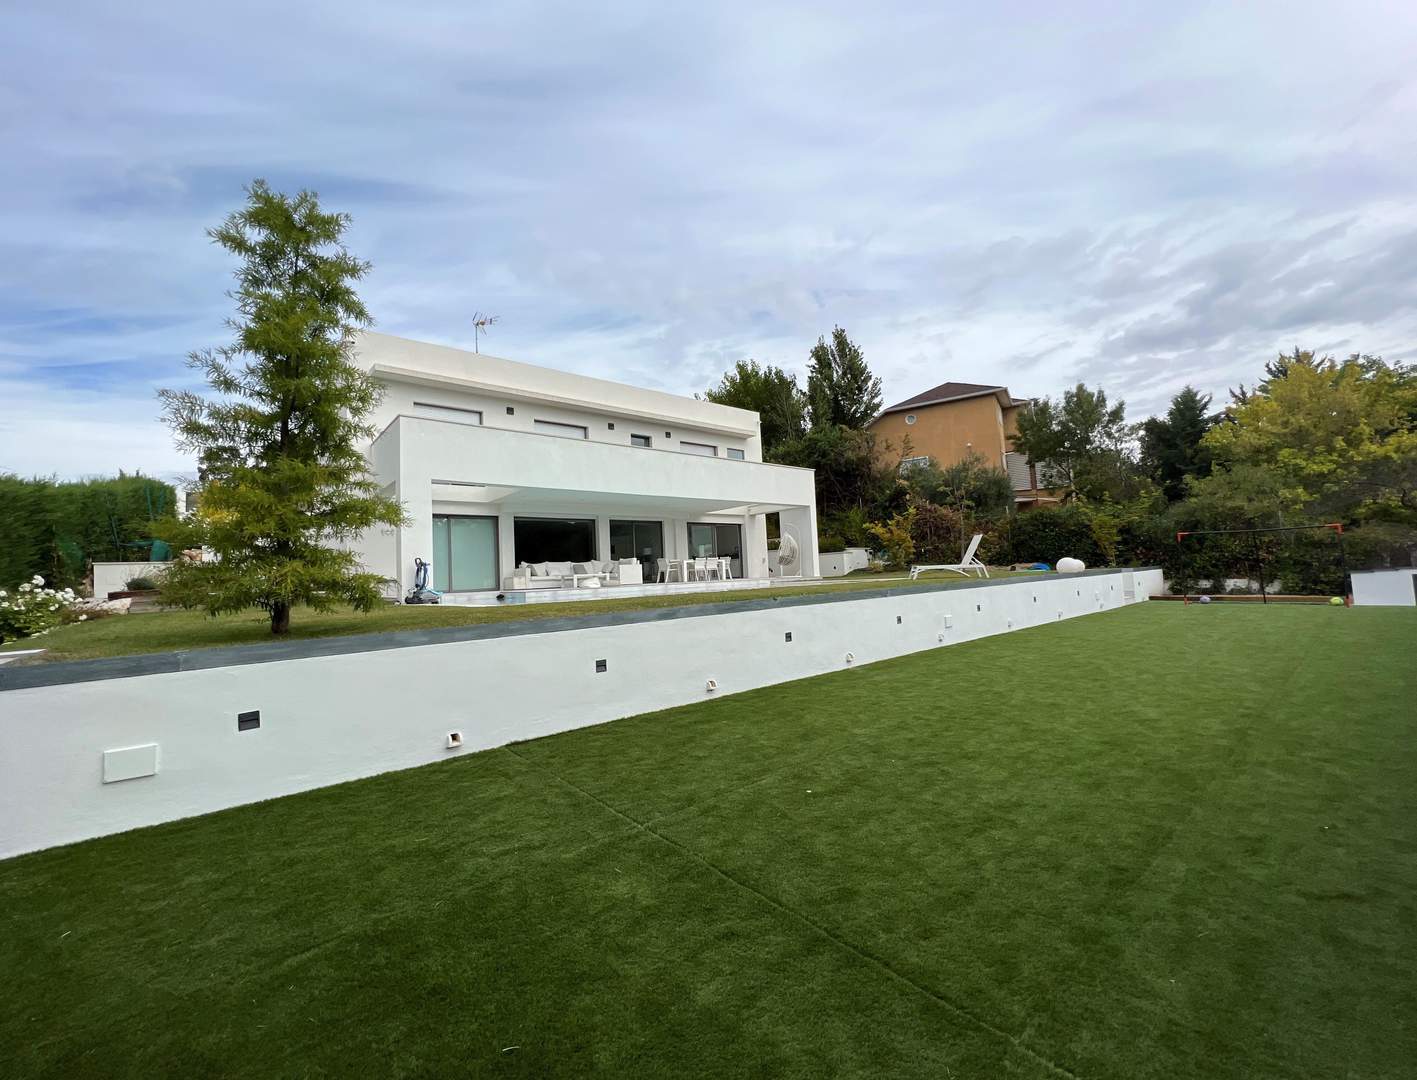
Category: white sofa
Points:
column 560, row 575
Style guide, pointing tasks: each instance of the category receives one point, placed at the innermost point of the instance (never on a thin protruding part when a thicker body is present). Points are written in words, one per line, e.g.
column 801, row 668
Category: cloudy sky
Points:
column 1137, row 195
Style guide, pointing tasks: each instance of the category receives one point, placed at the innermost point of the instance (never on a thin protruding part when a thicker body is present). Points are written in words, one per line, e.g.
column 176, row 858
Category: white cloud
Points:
column 1130, row 195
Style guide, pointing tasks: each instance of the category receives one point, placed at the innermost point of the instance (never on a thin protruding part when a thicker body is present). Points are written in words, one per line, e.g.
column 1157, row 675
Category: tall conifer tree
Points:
column 283, row 478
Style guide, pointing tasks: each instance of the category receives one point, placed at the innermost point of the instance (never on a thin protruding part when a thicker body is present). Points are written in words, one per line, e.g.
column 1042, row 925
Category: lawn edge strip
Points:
column 960, row 1011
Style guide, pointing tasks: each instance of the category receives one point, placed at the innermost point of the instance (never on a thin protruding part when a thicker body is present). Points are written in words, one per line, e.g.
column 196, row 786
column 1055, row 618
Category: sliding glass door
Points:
column 710, row 540
column 643, row 540
column 464, row 553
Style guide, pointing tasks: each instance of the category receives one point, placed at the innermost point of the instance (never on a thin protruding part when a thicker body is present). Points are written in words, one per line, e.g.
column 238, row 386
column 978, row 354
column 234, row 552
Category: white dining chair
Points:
column 725, row 568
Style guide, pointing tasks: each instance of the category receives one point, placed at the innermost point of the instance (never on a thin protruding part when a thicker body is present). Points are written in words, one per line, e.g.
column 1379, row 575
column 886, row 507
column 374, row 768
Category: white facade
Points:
column 469, row 436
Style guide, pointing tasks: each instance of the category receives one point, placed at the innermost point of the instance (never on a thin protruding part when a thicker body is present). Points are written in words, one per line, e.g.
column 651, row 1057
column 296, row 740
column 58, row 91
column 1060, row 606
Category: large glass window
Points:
column 708, row 540
column 554, row 539
column 735, row 453
column 464, row 553
column 641, row 440
column 643, row 540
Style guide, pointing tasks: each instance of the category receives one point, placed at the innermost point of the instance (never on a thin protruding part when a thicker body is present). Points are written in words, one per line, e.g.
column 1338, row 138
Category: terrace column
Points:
column 506, row 547
column 755, row 546
column 415, row 491
column 602, row 536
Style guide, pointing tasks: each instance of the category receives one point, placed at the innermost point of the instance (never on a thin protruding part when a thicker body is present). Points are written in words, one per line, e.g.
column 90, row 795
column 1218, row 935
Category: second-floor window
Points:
column 702, row 449
column 906, row 464
column 641, row 440
column 450, row 412
column 563, row 431
column 735, row 453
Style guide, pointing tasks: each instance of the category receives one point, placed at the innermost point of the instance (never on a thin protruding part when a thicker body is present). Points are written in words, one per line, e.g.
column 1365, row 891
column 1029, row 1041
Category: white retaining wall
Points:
column 114, row 576
column 1385, row 588
column 841, row 563
column 327, row 719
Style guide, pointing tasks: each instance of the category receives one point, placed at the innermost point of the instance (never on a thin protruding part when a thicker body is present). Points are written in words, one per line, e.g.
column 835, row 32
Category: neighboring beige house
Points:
column 949, row 422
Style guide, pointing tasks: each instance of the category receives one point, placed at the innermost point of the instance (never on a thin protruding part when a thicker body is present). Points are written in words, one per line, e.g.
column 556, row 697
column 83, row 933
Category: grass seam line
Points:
column 959, row 1010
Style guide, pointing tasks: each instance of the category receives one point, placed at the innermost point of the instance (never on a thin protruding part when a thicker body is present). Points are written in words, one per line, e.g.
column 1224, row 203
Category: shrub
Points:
column 33, row 610
column 894, row 536
column 848, row 524
column 1047, row 535
column 140, row 584
column 938, row 533
column 827, row 544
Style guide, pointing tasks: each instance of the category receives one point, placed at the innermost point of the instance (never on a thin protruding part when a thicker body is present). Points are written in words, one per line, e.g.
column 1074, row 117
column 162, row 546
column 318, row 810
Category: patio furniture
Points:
column 967, row 565
column 668, row 568
column 725, row 568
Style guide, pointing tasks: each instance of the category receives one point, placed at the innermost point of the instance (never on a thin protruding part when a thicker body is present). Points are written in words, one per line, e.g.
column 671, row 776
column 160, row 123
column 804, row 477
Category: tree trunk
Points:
column 280, row 617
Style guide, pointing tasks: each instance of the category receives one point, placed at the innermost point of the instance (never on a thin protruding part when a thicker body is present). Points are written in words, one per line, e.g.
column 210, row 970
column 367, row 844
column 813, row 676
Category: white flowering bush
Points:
column 32, row 609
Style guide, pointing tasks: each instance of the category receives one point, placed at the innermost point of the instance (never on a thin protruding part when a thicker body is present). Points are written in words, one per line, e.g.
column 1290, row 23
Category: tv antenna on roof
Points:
column 480, row 325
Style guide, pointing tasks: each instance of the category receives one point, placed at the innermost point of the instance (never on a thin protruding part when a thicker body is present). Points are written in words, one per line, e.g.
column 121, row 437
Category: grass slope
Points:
column 1162, row 842
column 170, row 631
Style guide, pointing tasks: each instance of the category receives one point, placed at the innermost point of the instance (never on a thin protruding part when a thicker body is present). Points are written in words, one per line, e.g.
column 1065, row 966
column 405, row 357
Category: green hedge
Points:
column 56, row 529
column 1303, row 562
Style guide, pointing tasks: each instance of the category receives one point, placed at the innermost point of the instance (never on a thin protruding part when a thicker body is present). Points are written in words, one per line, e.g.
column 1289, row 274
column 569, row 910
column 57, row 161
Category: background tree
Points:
column 1083, row 441
column 770, row 392
column 850, row 479
column 283, row 478
column 840, row 387
column 1337, row 439
column 1277, row 368
column 1172, row 447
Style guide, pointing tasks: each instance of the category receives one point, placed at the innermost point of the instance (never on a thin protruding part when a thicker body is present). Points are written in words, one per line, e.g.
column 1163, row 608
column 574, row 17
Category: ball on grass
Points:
column 1071, row 566
column 1336, row 601
column 1202, row 600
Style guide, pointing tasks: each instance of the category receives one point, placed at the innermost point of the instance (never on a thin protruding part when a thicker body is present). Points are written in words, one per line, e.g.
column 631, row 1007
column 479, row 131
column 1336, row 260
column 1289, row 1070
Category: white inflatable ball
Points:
column 1203, row 600
column 1071, row 566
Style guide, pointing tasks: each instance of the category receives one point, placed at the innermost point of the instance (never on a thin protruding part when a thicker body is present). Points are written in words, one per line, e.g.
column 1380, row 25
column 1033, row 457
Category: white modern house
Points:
column 517, row 477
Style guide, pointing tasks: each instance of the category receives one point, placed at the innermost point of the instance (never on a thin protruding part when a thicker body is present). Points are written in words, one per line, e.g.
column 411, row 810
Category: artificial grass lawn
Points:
column 1160, row 842
column 168, row 631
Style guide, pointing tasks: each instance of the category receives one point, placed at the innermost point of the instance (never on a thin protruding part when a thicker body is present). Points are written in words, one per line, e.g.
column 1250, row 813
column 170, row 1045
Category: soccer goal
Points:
column 1292, row 563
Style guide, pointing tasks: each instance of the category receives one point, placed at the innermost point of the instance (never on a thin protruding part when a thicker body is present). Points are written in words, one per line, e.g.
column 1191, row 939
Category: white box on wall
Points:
column 129, row 763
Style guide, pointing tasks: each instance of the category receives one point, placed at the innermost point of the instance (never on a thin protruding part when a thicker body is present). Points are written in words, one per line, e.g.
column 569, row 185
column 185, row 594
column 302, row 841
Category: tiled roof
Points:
column 948, row 391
